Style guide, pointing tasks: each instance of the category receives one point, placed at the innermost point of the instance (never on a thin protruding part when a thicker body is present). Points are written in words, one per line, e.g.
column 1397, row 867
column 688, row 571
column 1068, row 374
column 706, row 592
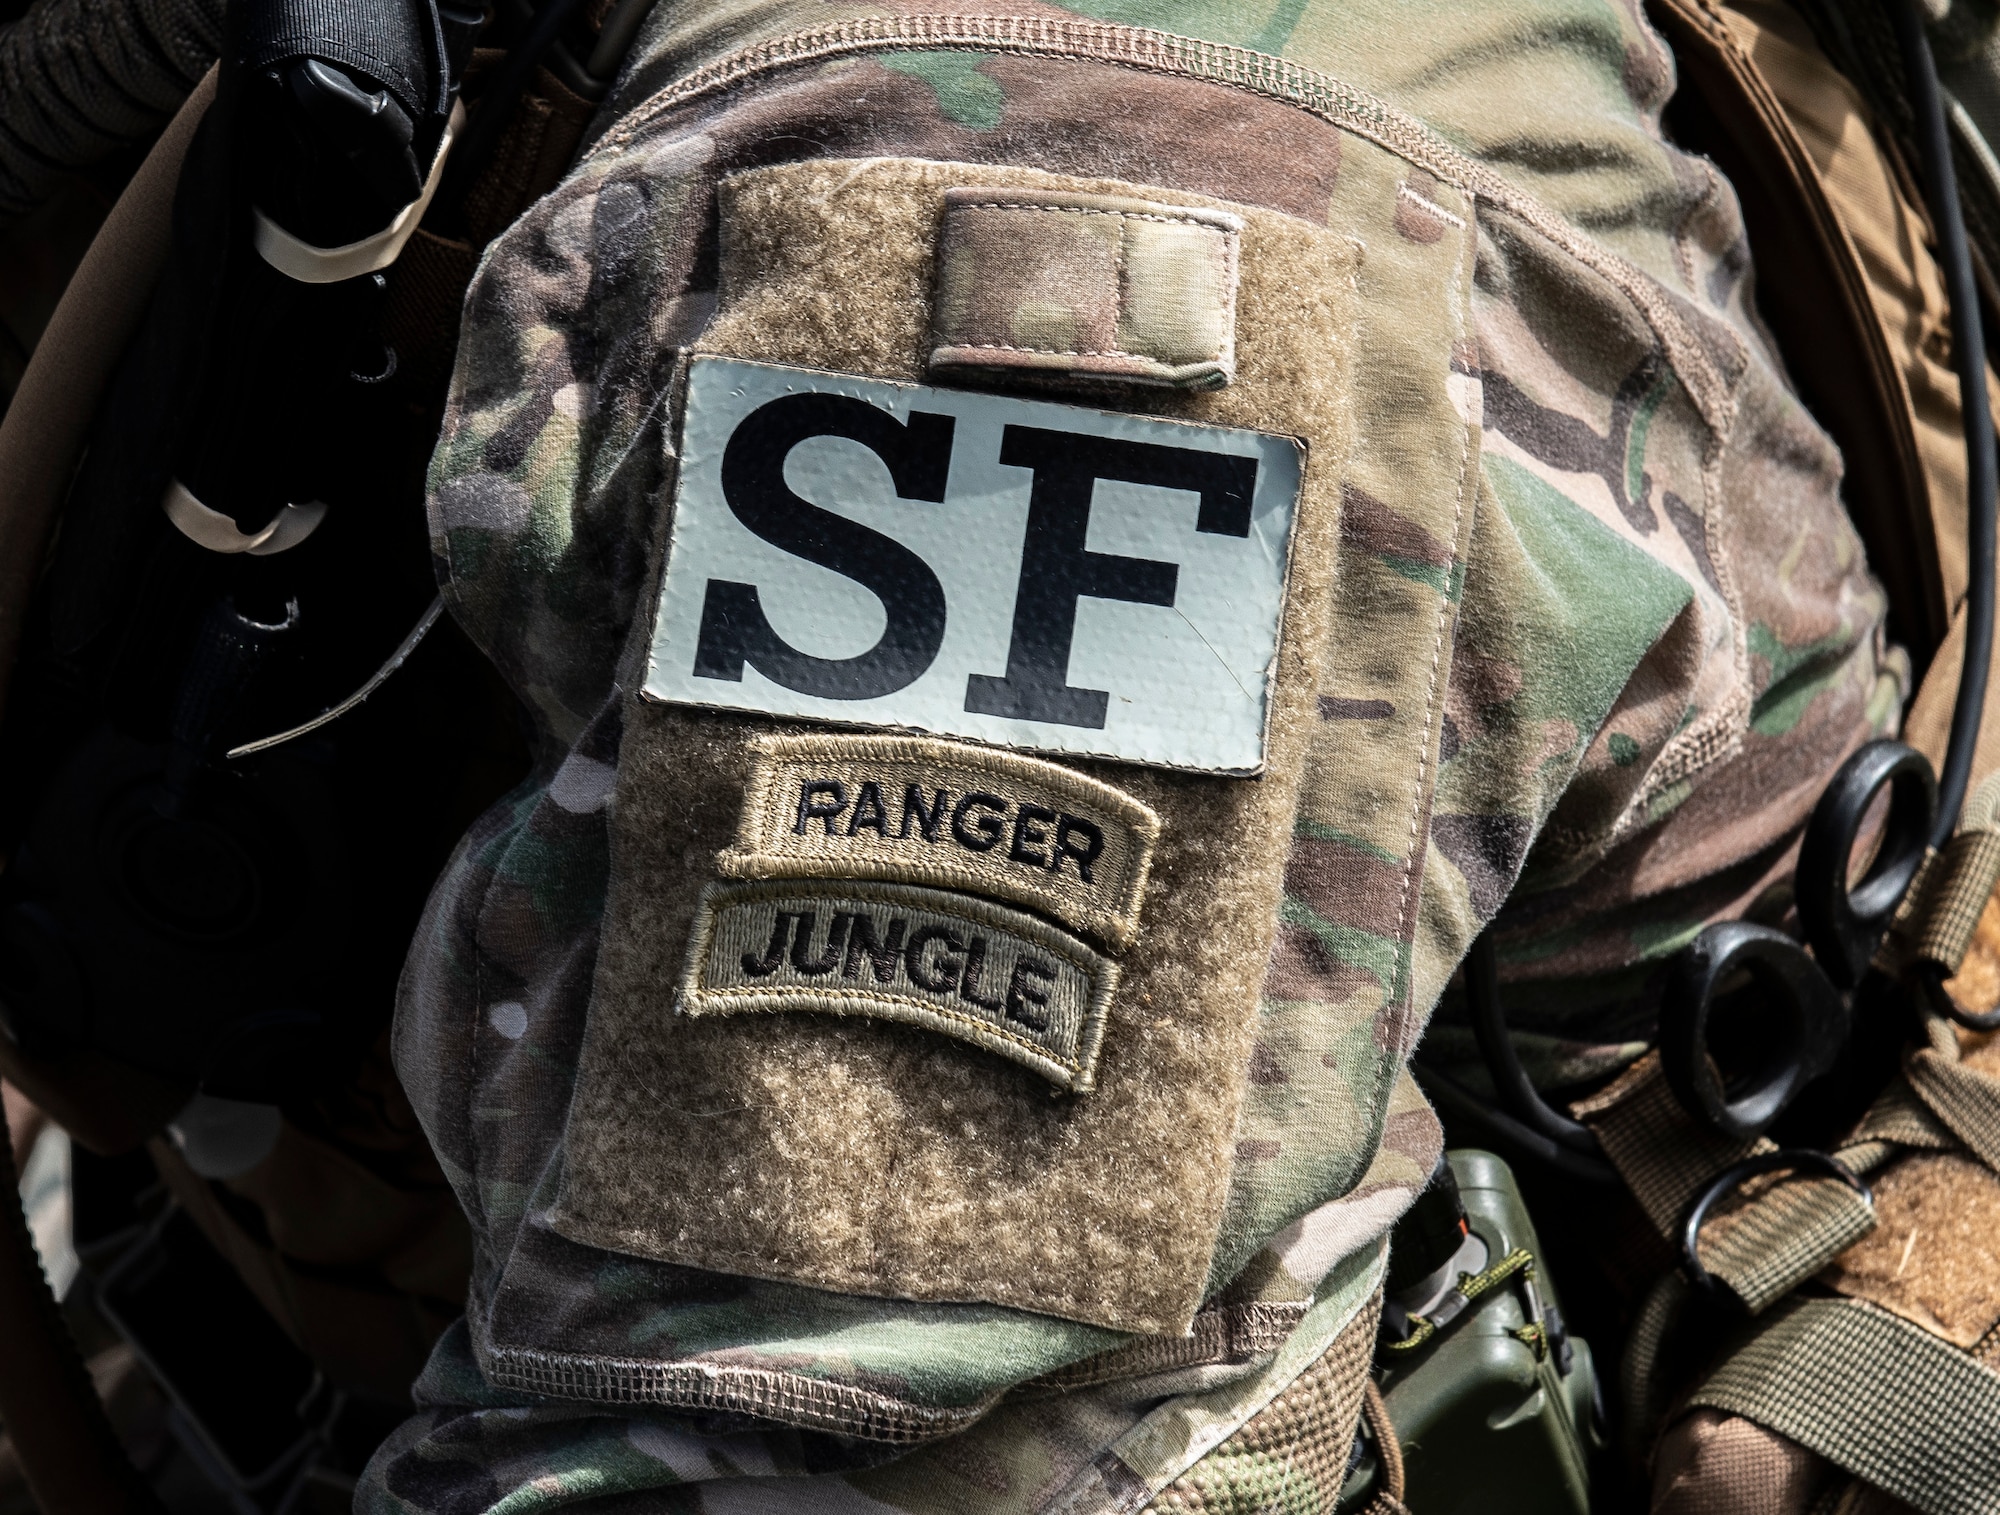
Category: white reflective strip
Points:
column 219, row 533
column 329, row 265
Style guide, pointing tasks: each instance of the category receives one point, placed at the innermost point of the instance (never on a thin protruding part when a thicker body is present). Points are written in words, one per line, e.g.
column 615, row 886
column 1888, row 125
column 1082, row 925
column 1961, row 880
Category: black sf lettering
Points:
column 735, row 632
column 1057, row 569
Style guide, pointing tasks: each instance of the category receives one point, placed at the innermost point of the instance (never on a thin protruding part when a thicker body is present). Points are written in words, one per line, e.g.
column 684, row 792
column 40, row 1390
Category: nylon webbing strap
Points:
column 1763, row 1241
column 1898, row 1117
column 1783, row 1237
column 1939, row 915
column 1959, row 887
column 1877, row 1396
column 1963, row 1098
column 390, row 40
column 1663, row 1154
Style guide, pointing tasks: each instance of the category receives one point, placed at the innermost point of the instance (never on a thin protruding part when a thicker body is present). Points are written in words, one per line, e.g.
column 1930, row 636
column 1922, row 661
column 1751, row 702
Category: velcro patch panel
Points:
column 983, row 973
column 923, row 811
column 1142, row 597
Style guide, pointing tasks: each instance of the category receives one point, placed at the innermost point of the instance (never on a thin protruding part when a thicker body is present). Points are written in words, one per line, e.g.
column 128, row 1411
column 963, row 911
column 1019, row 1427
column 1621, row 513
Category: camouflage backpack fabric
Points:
column 1600, row 630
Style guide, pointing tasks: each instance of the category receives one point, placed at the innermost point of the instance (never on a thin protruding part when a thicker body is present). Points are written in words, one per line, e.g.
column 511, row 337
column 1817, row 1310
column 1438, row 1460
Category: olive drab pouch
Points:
column 965, row 732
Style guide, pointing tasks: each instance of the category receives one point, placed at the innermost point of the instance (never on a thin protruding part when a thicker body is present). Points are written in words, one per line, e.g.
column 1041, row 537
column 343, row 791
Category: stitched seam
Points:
column 1405, row 925
column 1120, row 284
column 1233, row 1333
column 1683, row 253
column 1428, row 206
column 1709, row 741
column 1084, row 210
column 1004, row 1289
column 1120, row 925
column 1084, row 961
column 1074, row 352
column 804, row 1401
column 823, row 999
column 859, row 746
column 1161, row 52
column 1100, row 975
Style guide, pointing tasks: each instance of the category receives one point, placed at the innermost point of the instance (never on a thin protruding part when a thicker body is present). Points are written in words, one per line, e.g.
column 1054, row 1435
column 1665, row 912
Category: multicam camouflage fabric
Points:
column 1596, row 593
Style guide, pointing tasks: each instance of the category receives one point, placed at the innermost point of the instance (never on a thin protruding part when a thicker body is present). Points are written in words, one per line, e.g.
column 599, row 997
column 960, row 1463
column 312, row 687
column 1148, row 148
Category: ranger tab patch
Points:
column 923, row 811
column 1015, row 571
column 983, row 973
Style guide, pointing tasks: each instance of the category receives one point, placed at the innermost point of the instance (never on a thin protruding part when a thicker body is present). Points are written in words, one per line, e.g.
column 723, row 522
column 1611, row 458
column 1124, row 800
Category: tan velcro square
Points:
column 1086, row 286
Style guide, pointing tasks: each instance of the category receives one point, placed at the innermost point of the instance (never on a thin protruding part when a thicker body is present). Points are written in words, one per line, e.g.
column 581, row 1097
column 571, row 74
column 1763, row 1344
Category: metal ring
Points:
column 1824, row 1163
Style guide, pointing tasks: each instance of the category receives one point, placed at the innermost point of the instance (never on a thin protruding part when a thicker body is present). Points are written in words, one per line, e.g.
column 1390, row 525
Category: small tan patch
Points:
column 1084, row 286
column 921, row 811
column 982, row 973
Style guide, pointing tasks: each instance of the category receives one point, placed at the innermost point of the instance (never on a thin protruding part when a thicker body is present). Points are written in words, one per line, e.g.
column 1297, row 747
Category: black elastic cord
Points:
column 1517, row 1092
column 1968, row 345
column 481, row 137
column 1462, row 1104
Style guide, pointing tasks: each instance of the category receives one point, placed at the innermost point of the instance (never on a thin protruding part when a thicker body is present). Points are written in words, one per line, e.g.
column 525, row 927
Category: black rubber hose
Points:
column 1968, row 346
column 1517, row 1092
column 1462, row 1104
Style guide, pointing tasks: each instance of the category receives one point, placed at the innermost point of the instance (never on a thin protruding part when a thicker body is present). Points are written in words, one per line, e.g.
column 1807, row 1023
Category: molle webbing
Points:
column 1942, row 910
column 1964, row 1099
column 1882, row 1398
column 1764, row 1240
column 876, row 1156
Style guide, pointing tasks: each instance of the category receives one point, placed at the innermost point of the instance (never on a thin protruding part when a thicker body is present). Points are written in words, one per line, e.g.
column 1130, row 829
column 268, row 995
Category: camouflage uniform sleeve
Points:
column 1575, row 463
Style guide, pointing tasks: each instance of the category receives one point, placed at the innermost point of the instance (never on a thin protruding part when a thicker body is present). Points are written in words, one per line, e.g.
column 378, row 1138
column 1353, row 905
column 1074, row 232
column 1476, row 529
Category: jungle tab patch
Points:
column 1020, row 572
column 982, row 973
column 921, row 811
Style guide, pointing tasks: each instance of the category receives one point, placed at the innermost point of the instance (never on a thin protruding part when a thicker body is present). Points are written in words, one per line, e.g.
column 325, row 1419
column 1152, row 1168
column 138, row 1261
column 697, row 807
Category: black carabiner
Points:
column 1786, row 1036
column 1844, row 923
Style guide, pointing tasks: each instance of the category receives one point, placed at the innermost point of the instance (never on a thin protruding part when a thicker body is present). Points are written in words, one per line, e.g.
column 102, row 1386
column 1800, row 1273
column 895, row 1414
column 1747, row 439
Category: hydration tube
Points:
column 1968, row 353
column 1577, row 1152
